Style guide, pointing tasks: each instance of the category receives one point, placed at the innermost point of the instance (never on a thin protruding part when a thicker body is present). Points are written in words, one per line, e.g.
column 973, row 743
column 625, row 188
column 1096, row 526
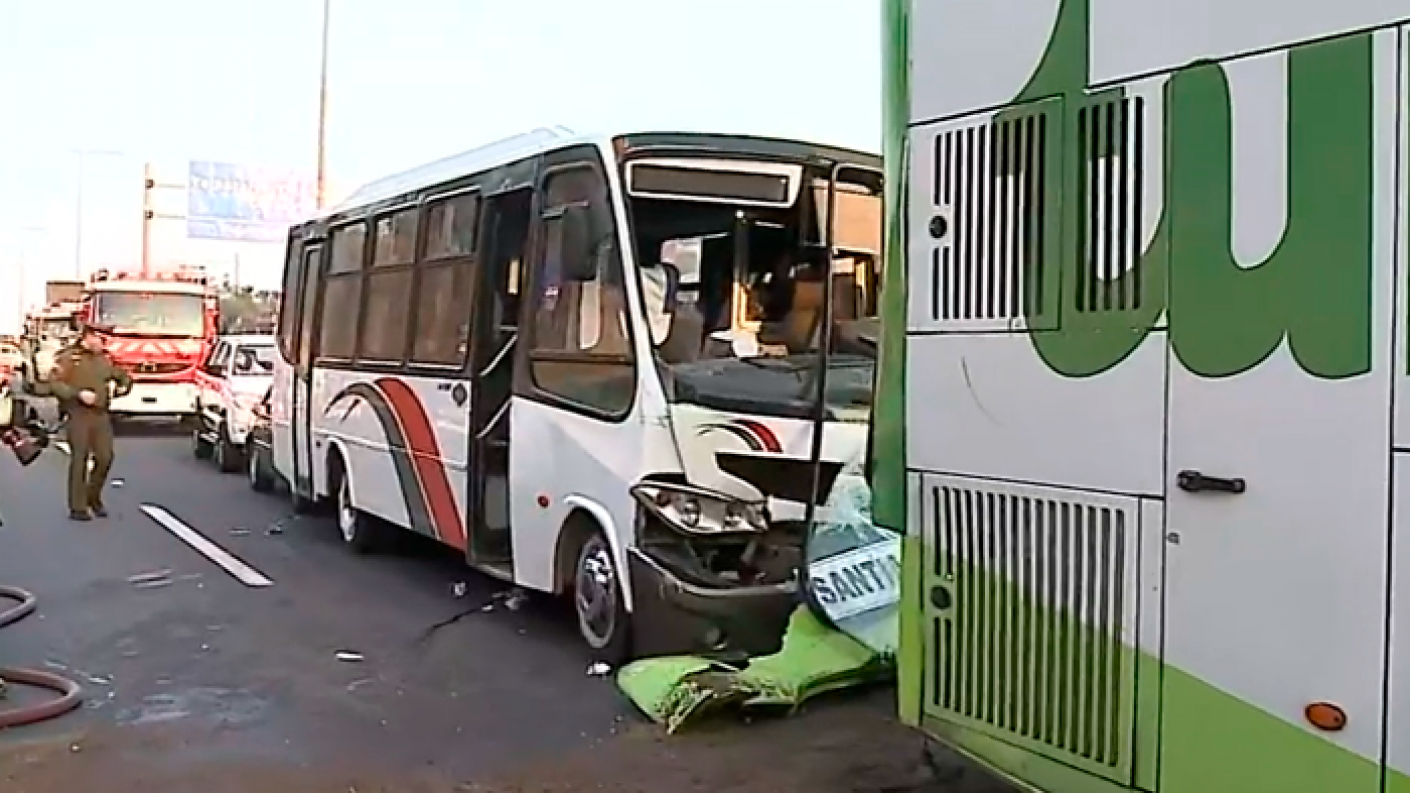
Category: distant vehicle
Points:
column 231, row 384
column 259, row 450
column 56, row 292
column 160, row 328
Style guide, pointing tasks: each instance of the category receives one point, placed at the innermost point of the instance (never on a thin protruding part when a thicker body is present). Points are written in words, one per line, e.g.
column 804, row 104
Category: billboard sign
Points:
column 240, row 203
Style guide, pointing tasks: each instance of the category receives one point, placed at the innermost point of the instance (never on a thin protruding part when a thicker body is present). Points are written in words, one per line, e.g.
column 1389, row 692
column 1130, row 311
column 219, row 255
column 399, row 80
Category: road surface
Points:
column 238, row 647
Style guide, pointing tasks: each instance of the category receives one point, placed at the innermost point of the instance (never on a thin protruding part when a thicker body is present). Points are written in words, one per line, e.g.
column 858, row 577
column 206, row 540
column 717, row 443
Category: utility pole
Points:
column 322, row 177
column 148, row 185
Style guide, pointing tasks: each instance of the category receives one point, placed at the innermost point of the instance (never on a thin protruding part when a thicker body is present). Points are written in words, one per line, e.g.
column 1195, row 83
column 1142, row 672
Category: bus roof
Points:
column 547, row 139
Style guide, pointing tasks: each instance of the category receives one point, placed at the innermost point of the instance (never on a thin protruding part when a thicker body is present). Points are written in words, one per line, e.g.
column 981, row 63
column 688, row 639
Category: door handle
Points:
column 1196, row 482
column 443, row 386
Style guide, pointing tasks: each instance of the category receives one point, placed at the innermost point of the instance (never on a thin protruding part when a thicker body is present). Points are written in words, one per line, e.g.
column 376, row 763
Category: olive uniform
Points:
column 90, row 430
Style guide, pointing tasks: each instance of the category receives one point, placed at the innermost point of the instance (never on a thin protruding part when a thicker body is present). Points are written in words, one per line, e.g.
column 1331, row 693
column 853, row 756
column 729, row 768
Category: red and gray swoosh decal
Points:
column 755, row 435
column 426, row 491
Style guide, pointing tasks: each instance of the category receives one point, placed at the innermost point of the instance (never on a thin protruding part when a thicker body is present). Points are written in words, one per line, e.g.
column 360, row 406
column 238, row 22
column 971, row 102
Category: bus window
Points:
column 581, row 349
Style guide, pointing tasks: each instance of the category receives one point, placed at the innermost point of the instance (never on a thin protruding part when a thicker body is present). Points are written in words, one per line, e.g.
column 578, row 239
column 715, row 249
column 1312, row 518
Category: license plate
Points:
column 857, row 581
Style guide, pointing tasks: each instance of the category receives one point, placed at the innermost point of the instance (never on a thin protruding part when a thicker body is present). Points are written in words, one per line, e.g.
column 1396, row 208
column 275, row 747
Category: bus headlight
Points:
column 694, row 510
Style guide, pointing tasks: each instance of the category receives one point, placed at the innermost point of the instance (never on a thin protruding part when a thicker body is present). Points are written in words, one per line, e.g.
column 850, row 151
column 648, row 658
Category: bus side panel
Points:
column 1130, row 37
column 1398, row 668
column 975, row 53
column 1398, row 724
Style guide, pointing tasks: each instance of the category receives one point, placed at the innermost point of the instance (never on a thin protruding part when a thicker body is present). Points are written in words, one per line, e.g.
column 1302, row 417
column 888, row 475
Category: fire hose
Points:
column 70, row 693
column 27, row 442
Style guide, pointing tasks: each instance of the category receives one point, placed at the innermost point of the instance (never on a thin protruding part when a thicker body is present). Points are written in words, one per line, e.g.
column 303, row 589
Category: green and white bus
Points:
column 1141, row 409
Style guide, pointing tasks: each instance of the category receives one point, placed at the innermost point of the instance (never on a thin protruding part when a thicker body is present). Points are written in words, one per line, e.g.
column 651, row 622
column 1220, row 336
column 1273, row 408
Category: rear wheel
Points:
column 603, row 621
column 261, row 479
column 362, row 532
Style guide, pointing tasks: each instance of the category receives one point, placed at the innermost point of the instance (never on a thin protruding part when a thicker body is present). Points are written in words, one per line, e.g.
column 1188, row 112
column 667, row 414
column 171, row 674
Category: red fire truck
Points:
column 159, row 327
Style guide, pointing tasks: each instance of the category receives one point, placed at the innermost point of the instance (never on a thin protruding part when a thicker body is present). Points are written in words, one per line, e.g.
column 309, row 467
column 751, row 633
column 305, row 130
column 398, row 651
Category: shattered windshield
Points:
column 739, row 312
column 155, row 313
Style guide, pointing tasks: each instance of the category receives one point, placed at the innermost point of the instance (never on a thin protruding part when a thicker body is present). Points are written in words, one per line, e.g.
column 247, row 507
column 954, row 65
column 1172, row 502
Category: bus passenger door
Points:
column 493, row 341
column 301, row 418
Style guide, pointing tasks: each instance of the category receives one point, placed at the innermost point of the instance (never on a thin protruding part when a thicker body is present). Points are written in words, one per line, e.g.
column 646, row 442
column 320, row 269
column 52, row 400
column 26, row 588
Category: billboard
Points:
column 240, row 203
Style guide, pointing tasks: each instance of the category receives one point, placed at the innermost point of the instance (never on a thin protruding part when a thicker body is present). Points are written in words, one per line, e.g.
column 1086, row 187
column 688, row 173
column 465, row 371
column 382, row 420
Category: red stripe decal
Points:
column 765, row 435
column 426, row 458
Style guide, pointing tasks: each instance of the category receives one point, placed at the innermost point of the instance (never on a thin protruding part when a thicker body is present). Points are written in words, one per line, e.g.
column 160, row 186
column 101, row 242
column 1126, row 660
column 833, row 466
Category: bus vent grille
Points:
column 1110, row 150
column 990, row 196
column 1029, row 594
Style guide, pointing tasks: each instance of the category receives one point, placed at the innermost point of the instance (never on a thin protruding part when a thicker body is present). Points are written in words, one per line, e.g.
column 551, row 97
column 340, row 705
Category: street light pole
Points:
column 322, row 174
column 82, row 155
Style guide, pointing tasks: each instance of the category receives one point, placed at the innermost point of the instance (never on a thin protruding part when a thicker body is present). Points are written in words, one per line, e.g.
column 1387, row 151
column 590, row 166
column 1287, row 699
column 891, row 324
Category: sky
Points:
column 94, row 89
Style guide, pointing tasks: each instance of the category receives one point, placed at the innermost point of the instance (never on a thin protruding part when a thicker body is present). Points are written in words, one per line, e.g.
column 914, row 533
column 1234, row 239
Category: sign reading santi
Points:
column 858, row 581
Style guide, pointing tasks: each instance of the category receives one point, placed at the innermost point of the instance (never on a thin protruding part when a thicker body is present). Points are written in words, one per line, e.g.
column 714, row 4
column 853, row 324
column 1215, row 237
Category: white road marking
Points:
column 242, row 572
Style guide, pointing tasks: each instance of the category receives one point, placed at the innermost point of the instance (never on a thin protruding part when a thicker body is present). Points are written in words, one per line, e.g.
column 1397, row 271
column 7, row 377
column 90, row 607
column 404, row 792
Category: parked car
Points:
column 231, row 384
column 11, row 359
column 259, row 449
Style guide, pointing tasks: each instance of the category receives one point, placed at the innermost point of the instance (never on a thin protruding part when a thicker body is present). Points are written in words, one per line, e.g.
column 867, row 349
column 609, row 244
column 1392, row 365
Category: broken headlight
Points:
column 694, row 510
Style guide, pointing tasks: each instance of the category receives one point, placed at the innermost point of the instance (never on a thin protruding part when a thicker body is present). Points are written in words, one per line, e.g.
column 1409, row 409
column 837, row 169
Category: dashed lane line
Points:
column 242, row 572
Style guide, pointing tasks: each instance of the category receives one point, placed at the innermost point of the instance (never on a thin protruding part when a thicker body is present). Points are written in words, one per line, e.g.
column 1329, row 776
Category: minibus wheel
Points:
column 360, row 530
column 603, row 620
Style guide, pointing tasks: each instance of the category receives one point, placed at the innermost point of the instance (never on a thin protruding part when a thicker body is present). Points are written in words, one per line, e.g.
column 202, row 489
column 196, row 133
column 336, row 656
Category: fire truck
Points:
column 159, row 328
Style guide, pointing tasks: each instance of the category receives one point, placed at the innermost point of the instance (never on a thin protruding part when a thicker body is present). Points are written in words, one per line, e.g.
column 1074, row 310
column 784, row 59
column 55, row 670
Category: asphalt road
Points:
column 197, row 681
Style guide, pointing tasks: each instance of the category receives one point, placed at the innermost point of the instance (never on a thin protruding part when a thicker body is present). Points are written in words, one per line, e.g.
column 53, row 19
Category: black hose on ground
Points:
column 70, row 693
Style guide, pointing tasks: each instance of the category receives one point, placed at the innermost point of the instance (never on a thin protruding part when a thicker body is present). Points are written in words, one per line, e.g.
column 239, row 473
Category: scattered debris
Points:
column 239, row 532
column 356, row 684
column 156, row 584
column 599, row 669
column 56, row 666
column 98, row 680
column 516, row 599
column 190, row 577
column 458, row 589
column 119, row 483
column 349, row 657
column 274, row 530
column 143, row 578
column 75, row 748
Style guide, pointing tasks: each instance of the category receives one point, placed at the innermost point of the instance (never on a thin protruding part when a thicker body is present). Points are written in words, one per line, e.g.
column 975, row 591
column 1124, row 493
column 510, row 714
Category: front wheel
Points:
column 361, row 531
column 201, row 448
column 603, row 621
column 227, row 454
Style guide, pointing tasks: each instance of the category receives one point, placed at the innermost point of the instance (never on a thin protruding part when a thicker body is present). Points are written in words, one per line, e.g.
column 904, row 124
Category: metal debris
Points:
column 119, row 483
column 349, row 657
column 275, row 530
column 599, row 669
column 516, row 599
column 100, row 681
column 356, row 684
column 143, row 578
column 239, row 532
column 458, row 589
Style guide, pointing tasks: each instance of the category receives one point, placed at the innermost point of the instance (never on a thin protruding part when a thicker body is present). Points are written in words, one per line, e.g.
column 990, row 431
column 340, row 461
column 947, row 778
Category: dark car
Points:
column 259, row 446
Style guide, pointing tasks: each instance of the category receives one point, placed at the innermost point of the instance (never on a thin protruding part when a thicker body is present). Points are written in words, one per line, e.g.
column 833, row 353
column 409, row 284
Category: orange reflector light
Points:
column 1326, row 717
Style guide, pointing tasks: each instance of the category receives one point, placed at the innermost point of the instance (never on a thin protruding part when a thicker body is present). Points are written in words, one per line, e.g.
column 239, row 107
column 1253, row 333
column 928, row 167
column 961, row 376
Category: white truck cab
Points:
column 230, row 384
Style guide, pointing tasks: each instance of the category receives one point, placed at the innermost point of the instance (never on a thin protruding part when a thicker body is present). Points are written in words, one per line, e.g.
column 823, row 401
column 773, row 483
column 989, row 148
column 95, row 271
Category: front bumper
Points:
column 675, row 617
column 156, row 399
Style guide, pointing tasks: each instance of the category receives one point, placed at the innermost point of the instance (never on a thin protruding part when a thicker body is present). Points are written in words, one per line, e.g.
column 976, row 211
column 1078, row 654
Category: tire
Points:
column 361, row 532
column 201, row 448
column 261, row 481
column 228, row 457
column 603, row 621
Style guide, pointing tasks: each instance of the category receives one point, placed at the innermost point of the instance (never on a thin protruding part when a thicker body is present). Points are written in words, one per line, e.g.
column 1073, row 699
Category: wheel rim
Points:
column 347, row 516
column 595, row 595
column 252, row 467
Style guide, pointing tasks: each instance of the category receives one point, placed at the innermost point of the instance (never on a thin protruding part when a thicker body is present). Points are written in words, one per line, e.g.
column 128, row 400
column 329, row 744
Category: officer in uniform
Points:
column 85, row 381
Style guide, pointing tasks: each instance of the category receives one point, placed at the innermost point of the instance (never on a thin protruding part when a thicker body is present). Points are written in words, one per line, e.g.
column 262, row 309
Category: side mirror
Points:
column 672, row 275
column 577, row 244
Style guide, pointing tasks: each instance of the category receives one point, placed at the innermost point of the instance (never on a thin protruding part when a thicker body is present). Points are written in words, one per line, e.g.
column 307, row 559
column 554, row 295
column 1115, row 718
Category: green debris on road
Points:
column 815, row 659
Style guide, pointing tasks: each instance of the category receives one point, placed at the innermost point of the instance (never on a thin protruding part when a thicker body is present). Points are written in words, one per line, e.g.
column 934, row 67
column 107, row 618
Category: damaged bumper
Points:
column 672, row 616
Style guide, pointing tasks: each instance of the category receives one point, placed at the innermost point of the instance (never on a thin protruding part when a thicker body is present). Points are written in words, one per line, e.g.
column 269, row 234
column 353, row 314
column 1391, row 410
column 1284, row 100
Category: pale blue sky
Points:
column 168, row 81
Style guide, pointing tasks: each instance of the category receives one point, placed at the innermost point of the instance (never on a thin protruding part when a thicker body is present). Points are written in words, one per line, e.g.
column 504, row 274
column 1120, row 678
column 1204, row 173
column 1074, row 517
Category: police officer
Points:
column 85, row 381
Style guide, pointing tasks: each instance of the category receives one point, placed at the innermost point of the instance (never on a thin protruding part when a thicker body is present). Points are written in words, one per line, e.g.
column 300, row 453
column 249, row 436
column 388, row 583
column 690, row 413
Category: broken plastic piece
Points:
column 349, row 657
